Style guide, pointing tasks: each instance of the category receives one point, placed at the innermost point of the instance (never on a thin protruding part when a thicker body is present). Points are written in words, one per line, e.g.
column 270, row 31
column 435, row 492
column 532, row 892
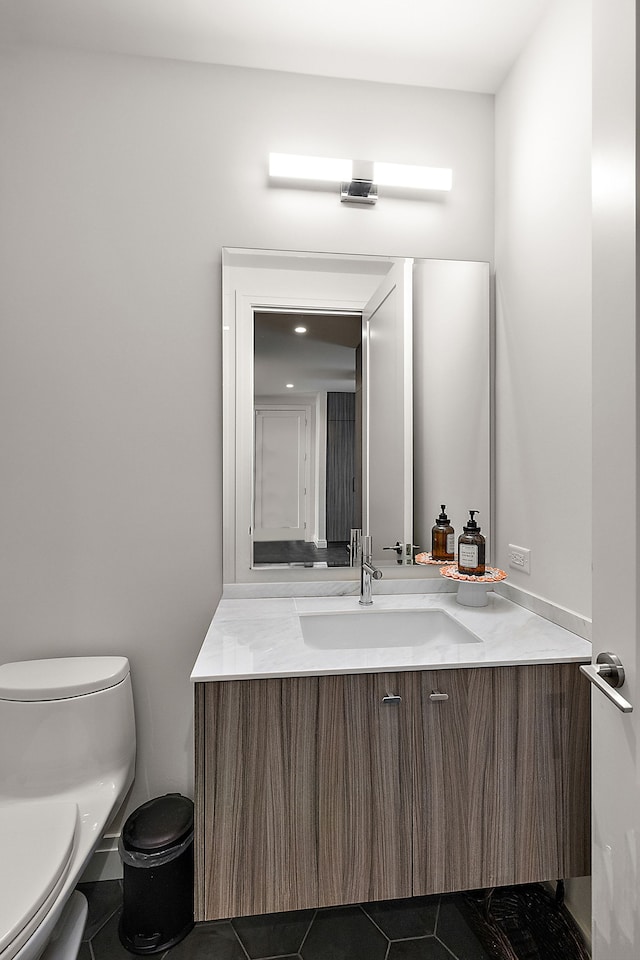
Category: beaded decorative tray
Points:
column 427, row 558
column 491, row 574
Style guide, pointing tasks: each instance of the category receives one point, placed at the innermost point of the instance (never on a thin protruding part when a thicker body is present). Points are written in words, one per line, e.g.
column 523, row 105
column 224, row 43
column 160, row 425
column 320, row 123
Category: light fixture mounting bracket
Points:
column 359, row 191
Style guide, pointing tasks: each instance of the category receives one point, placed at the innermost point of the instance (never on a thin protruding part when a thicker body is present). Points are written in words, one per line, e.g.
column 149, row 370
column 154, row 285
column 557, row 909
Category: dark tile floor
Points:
column 425, row 928
column 297, row 553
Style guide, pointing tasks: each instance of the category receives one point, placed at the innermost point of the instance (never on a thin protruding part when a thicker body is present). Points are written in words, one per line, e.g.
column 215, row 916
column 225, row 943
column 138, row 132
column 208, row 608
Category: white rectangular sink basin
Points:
column 365, row 629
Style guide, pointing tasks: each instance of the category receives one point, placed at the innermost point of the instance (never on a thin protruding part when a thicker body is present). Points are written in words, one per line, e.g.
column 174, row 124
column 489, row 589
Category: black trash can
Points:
column 156, row 849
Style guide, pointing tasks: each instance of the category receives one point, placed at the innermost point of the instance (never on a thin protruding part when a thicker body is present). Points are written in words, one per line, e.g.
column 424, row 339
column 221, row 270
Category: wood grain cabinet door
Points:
column 256, row 797
column 364, row 764
column 502, row 791
column 316, row 791
column 303, row 793
column 552, row 822
column 441, row 782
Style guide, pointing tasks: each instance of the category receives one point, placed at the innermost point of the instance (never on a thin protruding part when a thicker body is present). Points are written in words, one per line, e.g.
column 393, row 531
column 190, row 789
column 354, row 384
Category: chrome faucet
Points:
column 367, row 571
column 354, row 545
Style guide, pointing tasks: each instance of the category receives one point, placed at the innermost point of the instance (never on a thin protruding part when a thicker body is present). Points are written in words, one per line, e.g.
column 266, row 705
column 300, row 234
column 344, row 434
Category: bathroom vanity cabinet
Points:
column 315, row 791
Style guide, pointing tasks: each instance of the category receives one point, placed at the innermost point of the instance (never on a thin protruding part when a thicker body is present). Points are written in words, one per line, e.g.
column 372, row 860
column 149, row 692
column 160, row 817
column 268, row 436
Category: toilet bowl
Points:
column 67, row 755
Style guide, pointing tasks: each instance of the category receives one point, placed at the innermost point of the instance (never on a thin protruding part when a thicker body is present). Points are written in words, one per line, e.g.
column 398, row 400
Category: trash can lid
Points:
column 158, row 824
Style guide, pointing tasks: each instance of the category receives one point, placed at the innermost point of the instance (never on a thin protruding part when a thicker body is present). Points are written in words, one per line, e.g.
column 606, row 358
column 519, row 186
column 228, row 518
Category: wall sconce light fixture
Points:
column 359, row 180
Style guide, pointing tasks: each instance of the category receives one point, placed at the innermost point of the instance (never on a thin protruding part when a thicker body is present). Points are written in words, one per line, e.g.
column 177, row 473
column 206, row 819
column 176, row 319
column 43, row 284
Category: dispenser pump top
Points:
column 443, row 519
column 471, row 523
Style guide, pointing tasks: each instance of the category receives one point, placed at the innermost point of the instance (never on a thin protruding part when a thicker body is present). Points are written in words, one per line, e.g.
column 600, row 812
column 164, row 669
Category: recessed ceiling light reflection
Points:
column 289, row 386
column 299, row 329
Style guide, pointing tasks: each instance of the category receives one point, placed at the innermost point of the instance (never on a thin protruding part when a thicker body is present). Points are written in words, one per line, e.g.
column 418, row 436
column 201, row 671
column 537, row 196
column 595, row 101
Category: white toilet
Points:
column 67, row 756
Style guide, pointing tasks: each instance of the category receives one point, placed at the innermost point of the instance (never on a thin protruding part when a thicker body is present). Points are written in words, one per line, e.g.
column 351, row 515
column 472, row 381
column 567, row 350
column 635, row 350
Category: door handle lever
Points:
column 607, row 674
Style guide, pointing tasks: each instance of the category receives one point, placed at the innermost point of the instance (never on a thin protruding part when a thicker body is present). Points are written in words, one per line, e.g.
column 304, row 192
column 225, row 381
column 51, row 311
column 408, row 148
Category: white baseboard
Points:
column 105, row 863
column 578, row 903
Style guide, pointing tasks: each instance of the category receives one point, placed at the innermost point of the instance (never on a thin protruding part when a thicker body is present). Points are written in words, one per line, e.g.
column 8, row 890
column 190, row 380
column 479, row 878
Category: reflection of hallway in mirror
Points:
column 307, row 487
column 343, row 476
column 299, row 553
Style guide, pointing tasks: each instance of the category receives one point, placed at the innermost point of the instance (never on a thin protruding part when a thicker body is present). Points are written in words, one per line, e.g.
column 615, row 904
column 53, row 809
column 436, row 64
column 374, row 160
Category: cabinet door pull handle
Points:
column 392, row 698
column 434, row 695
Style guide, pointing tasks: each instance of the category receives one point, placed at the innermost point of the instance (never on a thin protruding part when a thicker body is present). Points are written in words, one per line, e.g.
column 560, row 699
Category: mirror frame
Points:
column 265, row 289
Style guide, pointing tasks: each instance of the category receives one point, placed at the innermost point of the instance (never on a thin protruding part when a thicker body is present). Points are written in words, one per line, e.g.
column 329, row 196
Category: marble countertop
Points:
column 259, row 638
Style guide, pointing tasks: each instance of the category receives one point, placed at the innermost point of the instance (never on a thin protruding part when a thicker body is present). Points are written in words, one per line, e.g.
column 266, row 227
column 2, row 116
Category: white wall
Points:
column 543, row 348
column 451, row 453
column 122, row 179
column 543, row 325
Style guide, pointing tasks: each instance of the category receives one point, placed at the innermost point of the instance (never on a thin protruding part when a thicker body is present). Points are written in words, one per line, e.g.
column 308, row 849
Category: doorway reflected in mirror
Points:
column 297, row 553
column 308, row 437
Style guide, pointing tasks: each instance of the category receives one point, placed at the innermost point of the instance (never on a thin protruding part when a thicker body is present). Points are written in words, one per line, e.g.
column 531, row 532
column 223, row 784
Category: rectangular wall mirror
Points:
column 356, row 397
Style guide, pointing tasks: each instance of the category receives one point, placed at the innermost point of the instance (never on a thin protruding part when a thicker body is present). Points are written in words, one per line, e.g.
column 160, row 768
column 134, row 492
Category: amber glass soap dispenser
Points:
column 442, row 538
column 471, row 549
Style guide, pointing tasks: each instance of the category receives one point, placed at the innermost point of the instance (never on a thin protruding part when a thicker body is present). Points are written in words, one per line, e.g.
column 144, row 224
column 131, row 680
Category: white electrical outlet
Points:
column 519, row 558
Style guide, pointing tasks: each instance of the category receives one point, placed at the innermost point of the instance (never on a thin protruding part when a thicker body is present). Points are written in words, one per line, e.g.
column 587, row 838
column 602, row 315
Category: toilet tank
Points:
column 65, row 724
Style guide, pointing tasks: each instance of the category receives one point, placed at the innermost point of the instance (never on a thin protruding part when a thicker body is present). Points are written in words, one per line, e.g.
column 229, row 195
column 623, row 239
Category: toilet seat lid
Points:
column 60, row 678
column 36, row 844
